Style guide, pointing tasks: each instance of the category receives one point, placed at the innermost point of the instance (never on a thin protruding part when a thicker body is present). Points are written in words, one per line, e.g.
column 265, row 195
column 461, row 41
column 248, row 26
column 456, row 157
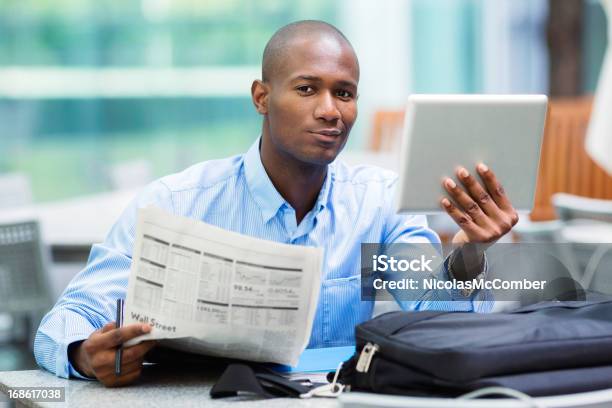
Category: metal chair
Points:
column 580, row 239
column 587, row 232
column 15, row 190
column 24, row 290
column 570, row 207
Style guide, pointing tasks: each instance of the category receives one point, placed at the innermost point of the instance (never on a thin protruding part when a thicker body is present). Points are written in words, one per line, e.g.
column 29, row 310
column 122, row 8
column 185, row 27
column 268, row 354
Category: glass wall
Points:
column 72, row 104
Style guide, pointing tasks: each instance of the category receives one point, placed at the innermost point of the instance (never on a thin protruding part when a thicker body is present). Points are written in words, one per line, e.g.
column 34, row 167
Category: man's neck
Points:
column 297, row 182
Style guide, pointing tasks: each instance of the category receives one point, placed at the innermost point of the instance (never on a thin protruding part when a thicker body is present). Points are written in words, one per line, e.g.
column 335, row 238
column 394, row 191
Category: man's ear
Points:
column 259, row 94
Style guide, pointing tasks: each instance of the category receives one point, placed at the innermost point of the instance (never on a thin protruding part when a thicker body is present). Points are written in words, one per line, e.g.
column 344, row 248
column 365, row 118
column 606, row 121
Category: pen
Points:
column 118, row 324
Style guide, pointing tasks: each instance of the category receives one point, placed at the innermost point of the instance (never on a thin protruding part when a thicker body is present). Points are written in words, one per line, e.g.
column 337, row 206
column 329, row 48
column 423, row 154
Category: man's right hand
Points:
column 95, row 357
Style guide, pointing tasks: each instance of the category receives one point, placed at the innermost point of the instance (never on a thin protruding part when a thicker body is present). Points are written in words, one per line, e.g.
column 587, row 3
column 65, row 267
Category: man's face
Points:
column 312, row 103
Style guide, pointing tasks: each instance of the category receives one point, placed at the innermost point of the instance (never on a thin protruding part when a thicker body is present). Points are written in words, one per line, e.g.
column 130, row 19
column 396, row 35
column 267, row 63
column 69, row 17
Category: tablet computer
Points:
column 442, row 132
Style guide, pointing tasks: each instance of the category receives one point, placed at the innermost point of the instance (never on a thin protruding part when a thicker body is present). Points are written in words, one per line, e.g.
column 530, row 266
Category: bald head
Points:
column 278, row 49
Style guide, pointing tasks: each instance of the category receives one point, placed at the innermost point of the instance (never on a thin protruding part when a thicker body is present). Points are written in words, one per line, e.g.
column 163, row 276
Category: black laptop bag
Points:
column 548, row 348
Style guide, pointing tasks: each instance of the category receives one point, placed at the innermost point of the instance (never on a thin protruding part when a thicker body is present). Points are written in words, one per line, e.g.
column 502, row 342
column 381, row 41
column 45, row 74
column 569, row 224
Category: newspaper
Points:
column 221, row 293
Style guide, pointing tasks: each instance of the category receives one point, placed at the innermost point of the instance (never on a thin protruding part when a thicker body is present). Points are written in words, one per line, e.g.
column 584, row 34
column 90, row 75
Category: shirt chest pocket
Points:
column 343, row 310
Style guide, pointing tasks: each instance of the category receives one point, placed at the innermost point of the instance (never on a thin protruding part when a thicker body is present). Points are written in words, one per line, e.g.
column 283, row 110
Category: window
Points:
column 85, row 85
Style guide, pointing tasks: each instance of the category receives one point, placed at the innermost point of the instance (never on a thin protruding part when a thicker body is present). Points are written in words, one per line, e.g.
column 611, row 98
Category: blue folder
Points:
column 318, row 360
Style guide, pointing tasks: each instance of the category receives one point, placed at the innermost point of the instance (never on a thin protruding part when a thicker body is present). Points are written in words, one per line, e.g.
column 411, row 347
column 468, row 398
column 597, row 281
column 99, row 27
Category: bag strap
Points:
column 243, row 378
column 389, row 323
column 417, row 317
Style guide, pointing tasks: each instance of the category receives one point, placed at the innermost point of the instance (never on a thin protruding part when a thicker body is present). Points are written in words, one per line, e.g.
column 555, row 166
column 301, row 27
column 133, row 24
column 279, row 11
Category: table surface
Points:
column 170, row 387
column 156, row 388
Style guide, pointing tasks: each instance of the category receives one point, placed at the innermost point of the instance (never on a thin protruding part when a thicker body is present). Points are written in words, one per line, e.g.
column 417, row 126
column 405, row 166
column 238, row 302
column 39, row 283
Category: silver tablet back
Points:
column 442, row 132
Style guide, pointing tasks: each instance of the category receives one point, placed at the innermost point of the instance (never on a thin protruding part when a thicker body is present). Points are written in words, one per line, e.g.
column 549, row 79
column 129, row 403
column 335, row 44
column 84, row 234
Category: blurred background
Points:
column 98, row 98
column 87, row 85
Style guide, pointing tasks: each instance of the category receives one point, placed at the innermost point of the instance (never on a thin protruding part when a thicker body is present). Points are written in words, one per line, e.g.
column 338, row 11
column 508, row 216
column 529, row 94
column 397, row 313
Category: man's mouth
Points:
column 328, row 132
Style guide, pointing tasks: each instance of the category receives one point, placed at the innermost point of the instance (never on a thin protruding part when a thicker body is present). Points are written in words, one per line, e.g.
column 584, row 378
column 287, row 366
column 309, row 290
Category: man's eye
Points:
column 344, row 94
column 305, row 89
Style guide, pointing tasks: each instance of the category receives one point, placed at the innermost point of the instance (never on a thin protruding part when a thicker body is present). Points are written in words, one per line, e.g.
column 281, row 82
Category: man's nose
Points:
column 326, row 108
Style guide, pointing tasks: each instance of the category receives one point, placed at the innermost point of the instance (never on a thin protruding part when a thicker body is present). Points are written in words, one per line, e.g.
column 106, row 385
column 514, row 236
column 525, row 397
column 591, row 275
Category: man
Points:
column 286, row 189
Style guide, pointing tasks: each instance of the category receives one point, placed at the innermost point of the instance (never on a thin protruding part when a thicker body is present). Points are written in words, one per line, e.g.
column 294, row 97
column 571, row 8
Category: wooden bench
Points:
column 565, row 167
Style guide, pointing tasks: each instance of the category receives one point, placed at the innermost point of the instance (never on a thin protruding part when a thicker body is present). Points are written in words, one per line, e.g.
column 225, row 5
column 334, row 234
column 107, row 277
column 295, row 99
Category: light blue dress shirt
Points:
column 354, row 206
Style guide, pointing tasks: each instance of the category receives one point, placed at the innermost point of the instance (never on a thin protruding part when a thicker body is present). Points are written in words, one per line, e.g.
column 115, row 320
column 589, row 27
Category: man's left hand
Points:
column 484, row 214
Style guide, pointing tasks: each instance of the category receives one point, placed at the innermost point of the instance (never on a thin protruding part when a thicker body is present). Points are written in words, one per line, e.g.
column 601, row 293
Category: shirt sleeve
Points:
column 73, row 373
column 413, row 229
column 89, row 301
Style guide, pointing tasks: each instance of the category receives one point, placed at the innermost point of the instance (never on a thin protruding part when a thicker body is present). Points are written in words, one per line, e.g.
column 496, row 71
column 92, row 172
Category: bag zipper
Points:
column 365, row 357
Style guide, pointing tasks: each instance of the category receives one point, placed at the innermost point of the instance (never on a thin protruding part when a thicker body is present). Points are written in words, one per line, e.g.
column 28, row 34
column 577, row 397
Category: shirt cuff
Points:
column 465, row 294
column 75, row 374
column 72, row 371
column 77, row 328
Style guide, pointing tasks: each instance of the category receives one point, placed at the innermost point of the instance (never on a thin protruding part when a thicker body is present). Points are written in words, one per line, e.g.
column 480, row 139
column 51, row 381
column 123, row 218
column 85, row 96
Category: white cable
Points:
column 509, row 392
column 332, row 390
column 591, row 268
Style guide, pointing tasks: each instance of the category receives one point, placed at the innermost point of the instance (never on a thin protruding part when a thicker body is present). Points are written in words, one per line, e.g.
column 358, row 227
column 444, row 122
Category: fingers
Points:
column 463, row 220
column 471, row 208
column 115, row 337
column 493, row 186
column 111, row 380
column 131, row 364
column 476, row 192
column 484, row 213
column 496, row 190
column 101, row 347
column 104, row 360
column 108, row 327
column 138, row 351
column 128, row 368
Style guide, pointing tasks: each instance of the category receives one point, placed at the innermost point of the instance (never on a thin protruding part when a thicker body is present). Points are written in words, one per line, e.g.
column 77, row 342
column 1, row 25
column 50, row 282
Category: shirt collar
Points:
column 263, row 191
